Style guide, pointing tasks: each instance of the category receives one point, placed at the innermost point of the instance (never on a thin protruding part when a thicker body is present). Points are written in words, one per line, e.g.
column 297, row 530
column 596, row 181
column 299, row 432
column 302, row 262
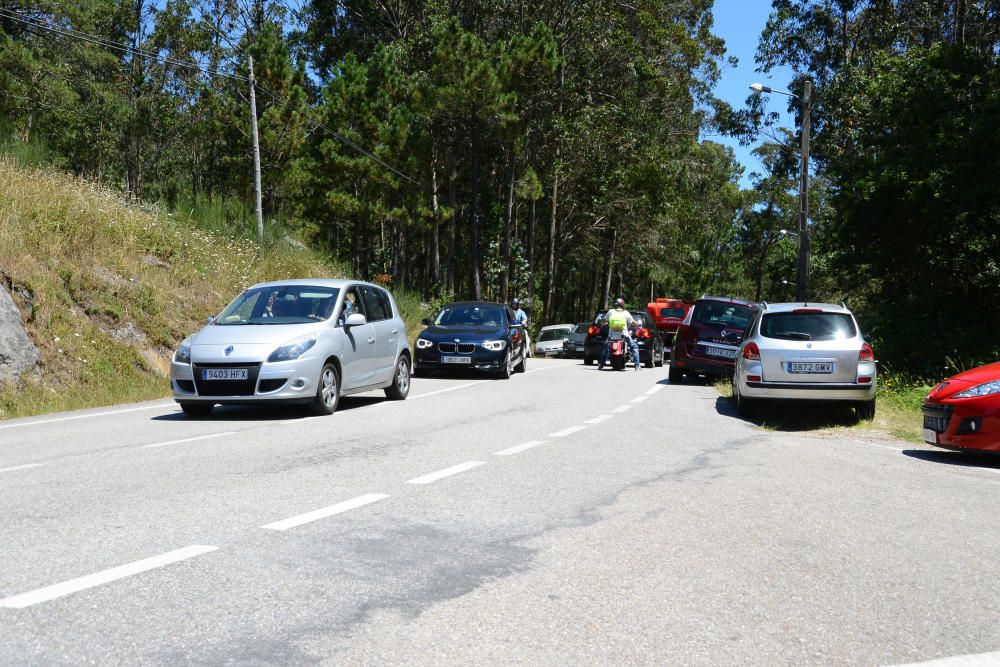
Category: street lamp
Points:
column 802, row 273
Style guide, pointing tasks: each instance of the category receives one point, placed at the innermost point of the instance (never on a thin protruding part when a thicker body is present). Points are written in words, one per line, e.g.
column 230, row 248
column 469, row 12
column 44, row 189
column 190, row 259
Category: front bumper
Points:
column 542, row 350
column 961, row 425
column 480, row 360
column 283, row 382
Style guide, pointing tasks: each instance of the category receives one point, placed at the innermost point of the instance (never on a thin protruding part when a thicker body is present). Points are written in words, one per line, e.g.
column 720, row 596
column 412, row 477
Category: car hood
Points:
column 252, row 334
column 466, row 332
column 965, row 380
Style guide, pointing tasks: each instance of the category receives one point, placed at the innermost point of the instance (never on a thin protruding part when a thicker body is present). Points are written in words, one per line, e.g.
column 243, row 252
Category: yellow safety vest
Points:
column 617, row 320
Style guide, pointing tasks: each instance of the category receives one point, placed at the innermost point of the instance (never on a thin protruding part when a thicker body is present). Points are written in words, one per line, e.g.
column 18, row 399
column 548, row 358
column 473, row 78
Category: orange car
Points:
column 668, row 314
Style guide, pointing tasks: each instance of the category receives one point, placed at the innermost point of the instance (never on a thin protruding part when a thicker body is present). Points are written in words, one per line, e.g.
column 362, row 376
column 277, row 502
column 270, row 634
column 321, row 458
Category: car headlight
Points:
column 494, row 345
column 183, row 353
column 985, row 389
column 423, row 343
column 293, row 349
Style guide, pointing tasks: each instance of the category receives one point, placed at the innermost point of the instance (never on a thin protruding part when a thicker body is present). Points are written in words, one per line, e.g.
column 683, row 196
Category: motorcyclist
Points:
column 620, row 323
column 521, row 317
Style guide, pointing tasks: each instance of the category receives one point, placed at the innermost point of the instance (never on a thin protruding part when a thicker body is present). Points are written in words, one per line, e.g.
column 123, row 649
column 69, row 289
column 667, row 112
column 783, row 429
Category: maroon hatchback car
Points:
column 708, row 339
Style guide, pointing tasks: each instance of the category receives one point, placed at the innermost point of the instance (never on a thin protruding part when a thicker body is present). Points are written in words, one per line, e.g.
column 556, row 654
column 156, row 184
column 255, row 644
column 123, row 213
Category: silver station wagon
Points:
column 303, row 342
column 805, row 351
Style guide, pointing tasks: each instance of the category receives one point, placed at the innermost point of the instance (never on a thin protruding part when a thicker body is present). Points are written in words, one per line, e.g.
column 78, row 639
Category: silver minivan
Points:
column 804, row 351
column 295, row 342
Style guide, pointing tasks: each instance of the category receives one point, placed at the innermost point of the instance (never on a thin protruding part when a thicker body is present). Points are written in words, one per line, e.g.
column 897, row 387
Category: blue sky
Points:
column 739, row 23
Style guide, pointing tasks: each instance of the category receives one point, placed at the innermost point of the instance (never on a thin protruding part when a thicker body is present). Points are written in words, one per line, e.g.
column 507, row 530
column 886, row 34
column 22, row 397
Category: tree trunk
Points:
column 476, row 293
column 609, row 268
column 508, row 223
column 550, row 288
column 452, row 227
column 435, row 241
column 531, row 254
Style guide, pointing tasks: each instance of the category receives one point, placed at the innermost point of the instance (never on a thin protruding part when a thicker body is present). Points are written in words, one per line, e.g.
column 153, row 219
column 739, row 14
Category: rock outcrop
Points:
column 17, row 353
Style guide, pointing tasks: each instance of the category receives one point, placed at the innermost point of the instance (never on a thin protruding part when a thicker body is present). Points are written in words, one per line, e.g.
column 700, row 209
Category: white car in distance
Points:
column 305, row 342
column 550, row 340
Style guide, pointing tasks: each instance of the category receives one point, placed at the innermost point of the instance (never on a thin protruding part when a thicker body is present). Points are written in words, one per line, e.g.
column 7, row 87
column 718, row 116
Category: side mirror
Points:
column 355, row 320
column 426, row 321
column 211, row 319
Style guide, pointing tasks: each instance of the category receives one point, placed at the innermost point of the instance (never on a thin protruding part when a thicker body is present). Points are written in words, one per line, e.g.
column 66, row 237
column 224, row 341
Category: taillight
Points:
column 867, row 353
column 594, row 330
column 751, row 352
column 642, row 333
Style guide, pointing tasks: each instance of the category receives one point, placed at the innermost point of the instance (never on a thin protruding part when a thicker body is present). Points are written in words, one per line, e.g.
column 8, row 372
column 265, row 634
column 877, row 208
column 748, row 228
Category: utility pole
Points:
column 802, row 275
column 256, row 158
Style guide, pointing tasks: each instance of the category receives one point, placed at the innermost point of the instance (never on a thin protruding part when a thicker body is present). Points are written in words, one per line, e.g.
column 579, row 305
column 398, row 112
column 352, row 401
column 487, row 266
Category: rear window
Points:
column 672, row 312
column 719, row 312
column 808, row 326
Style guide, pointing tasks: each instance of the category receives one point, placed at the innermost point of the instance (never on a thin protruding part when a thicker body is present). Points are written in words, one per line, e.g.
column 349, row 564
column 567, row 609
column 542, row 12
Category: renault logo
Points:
column 229, row 350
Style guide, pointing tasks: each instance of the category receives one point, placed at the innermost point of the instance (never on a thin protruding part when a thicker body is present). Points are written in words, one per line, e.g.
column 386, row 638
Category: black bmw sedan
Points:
column 473, row 335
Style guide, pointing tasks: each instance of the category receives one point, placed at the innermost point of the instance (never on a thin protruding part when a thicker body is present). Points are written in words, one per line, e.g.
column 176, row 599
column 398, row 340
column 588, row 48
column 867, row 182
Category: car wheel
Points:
column 197, row 409
column 675, row 375
column 865, row 410
column 659, row 362
column 745, row 407
column 400, row 386
column 328, row 391
column 588, row 361
column 504, row 372
column 651, row 362
column 523, row 366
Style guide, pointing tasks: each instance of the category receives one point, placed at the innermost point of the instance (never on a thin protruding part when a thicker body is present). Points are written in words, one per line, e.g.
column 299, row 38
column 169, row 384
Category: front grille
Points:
column 466, row 348
column 446, row 347
column 226, row 387
column 936, row 417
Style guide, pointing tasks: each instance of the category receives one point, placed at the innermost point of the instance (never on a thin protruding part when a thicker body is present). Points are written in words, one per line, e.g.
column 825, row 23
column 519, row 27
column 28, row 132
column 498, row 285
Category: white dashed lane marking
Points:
column 24, row 467
column 38, row 422
column 622, row 408
column 652, row 390
column 48, row 593
column 640, row 399
column 447, row 472
column 599, row 419
column 183, row 440
column 325, row 512
column 517, row 449
column 567, row 431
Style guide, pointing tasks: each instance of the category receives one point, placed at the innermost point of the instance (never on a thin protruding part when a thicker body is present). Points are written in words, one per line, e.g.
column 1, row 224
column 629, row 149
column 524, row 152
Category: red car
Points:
column 963, row 412
column 668, row 315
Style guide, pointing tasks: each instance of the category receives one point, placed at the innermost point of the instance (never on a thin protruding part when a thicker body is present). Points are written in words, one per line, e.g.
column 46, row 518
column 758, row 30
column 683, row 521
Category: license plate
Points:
column 930, row 435
column 224, row 374
column 456, row 360
column 810, row 366
column 720, row 352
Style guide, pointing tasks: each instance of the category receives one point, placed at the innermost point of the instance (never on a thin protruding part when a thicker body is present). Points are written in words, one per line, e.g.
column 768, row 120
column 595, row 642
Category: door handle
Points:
column 371, row 341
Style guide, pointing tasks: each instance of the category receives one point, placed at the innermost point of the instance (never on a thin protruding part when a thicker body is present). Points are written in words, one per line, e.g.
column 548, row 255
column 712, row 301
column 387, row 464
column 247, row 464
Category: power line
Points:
column 99, row 41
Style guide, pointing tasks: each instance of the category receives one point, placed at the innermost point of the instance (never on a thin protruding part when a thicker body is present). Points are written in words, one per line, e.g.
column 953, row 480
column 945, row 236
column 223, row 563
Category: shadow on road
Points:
column 266, row 413
column 793, row 416
column 960, row 459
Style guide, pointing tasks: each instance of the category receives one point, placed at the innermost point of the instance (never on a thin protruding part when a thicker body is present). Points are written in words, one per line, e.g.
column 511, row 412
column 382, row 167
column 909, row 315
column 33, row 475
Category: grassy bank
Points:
column 108, row 289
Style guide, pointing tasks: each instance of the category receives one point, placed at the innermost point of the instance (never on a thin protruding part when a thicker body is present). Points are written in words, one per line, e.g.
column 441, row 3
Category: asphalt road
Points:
column 564, row 516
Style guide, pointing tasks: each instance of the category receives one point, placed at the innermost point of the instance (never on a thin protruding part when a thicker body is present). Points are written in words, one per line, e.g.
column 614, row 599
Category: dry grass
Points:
column 108, row 289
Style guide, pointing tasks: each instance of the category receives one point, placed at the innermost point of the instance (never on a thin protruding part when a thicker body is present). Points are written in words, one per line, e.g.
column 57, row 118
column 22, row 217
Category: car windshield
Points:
column 720, row 312
column 284, row 304
column 581, row 328
column 808, row 326
column 672, row 312
column 553, row 334
column 470, row 316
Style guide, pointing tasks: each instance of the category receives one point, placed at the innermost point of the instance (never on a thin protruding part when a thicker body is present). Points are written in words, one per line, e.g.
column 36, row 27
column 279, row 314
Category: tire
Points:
column 327, row 392
column 522, row 366
column 588, row 361
column 865, row 410
column 400, row 386
column 659, row 363
column 197, row 409
column 618, row 363
column 504, row 372
column 745, row 407
column 675, row 375
column 651, row 362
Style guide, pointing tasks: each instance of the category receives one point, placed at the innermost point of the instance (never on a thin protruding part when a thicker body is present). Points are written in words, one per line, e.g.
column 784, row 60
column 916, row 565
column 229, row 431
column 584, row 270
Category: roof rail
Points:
column 764, row 305
column 843, row 305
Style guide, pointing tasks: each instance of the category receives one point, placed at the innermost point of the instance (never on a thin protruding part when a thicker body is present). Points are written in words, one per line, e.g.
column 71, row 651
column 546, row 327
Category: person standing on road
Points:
column 620, row 323
column 521, row 317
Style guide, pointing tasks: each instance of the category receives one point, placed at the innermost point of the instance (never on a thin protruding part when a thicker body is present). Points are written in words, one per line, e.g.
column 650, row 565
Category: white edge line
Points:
column 199, row 437
column 517, row 449
column 447, row 472
column 599, row 419
column 325, row 512
column 622, row 408
column 301, row 420
column 87, row 416
column 652, row 390
column 447, row 389
column 972, row 660
column 567, row 431
column 48, row 593
column 24, row 467
column 640, row 399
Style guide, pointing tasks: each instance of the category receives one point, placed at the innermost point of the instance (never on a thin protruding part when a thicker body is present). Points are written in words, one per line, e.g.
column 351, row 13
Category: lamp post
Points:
column 802, row 272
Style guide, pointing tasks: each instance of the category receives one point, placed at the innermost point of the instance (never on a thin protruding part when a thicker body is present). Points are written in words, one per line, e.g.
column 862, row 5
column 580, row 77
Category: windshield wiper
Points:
column 797, row 335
